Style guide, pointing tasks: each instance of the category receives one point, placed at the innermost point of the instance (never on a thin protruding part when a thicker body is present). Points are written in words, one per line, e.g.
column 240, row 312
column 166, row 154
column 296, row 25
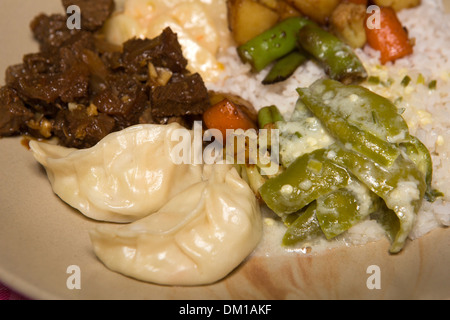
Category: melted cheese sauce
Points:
column 201, row 26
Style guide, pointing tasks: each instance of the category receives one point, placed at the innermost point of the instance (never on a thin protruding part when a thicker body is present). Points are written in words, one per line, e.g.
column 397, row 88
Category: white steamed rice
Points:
column 427, row 112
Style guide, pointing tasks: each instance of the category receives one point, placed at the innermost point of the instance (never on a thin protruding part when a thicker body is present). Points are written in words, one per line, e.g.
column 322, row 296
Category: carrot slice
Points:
column 227, row 115
column 391, row 39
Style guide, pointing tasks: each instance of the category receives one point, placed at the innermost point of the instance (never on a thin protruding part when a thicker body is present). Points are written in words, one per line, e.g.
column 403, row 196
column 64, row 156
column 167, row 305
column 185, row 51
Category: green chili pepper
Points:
column 285, row 67
column 306, row 179
column 304, row 228
column 402, row 186
column 340, row 210
column 272, row 44
column 338, row 59
column 420, row 155
column 303, row 134
column 361, row 107
column 360, row 140
column 388, row 220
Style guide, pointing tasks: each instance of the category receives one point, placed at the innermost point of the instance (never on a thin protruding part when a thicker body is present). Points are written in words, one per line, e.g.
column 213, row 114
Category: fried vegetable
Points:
column 337, row 58
column 244, row 105
column 391, row 39
column 347, row 22
column 286, row 10
column 268, row 116
column 364, row 2
column 280, row 43
column 248, row 18
column 317, row 10
column 272, row 44
column 227, row 115
column 398, row 5
column 285, row 67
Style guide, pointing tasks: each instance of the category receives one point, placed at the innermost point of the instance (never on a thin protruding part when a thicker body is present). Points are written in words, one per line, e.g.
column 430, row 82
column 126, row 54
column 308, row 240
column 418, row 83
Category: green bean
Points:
column 269, row 115
column 272, row 44
column 337, row 58
column 285, row 67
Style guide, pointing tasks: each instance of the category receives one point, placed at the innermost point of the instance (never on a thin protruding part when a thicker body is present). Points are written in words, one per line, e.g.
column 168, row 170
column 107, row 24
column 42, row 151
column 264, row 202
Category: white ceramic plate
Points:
column 40, row 236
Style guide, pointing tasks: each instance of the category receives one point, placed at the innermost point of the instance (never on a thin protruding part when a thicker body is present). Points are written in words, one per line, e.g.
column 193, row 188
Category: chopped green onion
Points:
column 406, row 80
column 420, row 79
column 374, row 80
column 432, row 85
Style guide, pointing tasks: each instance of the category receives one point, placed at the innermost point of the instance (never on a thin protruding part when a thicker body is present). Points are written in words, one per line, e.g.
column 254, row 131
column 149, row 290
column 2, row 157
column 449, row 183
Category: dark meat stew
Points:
column 79, row 88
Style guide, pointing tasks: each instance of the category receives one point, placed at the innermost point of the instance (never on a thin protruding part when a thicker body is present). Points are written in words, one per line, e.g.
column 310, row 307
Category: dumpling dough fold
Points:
column 126, row 176
column 197, row 238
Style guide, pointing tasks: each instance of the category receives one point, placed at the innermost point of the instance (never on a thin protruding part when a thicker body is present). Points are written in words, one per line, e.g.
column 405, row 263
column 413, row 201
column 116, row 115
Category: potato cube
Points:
column 317, row 10
column 398, row 5
column 248, row 18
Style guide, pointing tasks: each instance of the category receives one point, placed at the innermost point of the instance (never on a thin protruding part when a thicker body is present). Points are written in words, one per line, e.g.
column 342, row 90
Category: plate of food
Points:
column 240, row 149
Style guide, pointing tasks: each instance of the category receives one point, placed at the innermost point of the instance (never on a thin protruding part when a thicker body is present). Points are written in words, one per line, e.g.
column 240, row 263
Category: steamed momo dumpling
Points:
column 197, row 238
column 126, row 176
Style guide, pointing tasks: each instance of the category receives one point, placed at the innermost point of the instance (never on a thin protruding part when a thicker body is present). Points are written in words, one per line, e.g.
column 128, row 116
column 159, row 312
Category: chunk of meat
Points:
column 123, row 98
column 51, row 31
column 184, row 95
column 163, row 51
column 78, row 128
column 44, row 83
column 93, row 13
column 13, row 113
column 79, row 88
